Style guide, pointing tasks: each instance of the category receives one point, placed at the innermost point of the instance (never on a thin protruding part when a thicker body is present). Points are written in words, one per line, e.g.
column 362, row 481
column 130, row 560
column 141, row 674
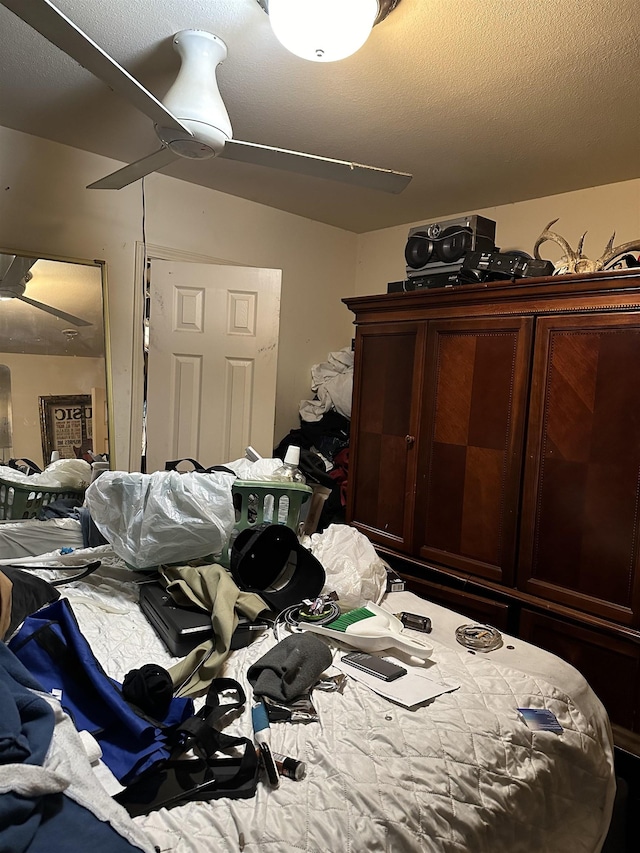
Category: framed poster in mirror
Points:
column 66, row 424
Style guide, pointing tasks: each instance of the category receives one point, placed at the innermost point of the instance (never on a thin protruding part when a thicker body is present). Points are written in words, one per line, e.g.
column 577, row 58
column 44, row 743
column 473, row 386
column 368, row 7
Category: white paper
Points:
column 409, row 690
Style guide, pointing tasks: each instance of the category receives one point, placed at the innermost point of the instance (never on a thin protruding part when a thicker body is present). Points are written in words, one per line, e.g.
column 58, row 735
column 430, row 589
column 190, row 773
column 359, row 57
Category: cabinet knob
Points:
column 410, row 439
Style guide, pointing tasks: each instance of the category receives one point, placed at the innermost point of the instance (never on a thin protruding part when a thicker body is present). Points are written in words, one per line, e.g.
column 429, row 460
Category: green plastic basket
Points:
column 19, row 501
column 262, row 502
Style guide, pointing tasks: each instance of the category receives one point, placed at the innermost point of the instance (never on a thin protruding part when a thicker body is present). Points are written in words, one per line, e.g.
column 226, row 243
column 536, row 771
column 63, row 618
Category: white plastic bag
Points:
column 65, row 473
column 164, row 517
column 72, row 474
column 352, row 567
column 261, row 469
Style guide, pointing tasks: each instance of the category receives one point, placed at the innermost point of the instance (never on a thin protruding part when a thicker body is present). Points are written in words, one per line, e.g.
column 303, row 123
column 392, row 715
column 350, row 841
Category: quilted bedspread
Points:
column 459, row 774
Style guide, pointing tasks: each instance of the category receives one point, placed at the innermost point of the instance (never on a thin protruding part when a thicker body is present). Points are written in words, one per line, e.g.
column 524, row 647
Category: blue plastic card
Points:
column 540, row 720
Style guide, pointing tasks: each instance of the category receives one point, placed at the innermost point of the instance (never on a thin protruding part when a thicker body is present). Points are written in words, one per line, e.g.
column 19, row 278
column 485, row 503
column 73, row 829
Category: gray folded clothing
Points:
column 291, row 668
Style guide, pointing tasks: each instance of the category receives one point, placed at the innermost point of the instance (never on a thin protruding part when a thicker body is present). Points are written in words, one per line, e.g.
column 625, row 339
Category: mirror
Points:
column 54, row 377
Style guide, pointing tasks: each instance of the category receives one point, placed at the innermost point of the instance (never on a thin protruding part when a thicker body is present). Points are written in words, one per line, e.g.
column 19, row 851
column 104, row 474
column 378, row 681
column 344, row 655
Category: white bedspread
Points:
column 461, row 774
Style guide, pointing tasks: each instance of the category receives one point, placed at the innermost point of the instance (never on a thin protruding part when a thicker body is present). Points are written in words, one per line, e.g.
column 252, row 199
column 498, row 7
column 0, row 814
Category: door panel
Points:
column 213, row 347
column 471, row 441
column 581, row 526
column 382, row 465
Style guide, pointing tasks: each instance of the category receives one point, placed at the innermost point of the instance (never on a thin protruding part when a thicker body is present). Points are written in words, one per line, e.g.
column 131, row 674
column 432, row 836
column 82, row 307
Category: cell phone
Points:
column 379, row 667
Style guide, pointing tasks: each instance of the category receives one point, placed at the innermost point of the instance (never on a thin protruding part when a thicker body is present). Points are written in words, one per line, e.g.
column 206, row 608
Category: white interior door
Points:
column 213, row 348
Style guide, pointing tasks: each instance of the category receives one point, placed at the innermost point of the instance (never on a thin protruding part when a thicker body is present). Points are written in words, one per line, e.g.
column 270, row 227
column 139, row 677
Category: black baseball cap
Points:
column 270, row 561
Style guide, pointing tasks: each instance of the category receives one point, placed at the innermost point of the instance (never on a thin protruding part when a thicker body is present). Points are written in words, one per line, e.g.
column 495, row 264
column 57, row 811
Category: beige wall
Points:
column 33, row 376
column 44, row 208
column 599, row 211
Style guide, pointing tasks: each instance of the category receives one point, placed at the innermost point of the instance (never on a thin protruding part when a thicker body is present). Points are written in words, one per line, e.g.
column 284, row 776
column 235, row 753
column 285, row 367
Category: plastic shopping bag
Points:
column 164, row 517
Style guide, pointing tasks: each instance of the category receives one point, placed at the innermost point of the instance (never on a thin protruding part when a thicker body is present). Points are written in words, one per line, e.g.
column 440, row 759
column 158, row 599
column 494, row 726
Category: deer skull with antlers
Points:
column 575, row 261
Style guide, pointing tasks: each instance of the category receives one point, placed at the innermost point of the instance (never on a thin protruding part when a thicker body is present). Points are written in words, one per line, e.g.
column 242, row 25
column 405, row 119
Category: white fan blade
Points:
column 62, row 315
column 133, row 172
column 317, row 167
column 49, row 21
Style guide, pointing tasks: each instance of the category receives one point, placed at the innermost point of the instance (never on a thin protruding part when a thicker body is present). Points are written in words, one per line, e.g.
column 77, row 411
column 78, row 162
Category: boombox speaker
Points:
column 441, row 247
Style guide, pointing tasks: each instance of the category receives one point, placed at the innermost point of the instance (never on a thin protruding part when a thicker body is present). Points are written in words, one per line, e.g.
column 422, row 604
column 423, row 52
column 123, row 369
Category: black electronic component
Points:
column 440, row 247
column 488, row 266
column 415, row 622
column 420, row 282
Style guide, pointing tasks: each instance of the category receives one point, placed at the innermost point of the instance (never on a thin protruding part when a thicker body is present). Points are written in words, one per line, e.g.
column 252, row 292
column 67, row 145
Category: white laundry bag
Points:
column 164, row 517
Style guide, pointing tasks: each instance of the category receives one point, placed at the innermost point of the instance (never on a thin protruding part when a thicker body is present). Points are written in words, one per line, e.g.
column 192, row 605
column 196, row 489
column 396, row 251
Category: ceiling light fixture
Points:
column 325, row 30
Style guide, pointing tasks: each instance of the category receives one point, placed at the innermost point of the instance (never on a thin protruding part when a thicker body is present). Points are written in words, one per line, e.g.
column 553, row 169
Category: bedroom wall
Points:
column 33, row 376
column 44, row 208
column 599, row 211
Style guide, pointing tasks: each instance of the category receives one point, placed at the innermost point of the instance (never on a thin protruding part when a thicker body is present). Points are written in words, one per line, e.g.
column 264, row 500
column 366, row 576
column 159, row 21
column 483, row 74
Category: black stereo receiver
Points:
column 487, row 266
column 443, row 279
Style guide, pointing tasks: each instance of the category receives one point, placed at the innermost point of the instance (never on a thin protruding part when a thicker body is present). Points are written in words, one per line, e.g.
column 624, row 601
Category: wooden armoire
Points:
column 495, row 461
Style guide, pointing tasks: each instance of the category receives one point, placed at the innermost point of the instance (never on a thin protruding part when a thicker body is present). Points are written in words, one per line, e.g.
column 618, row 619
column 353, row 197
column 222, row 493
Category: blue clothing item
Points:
column 26, row 729
column 43, row 822
column 72, row 828
column 53, row 649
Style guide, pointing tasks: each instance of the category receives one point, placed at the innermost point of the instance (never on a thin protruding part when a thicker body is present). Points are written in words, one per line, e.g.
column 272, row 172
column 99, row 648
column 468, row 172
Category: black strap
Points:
column 197, row 467
column 199, row 733
column 22, row 463
column 210, row 775
column 173, row 464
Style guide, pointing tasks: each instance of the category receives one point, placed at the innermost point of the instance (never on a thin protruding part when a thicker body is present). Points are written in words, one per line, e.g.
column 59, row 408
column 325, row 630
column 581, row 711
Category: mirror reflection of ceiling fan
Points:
column 15, row 273
column 192, row 121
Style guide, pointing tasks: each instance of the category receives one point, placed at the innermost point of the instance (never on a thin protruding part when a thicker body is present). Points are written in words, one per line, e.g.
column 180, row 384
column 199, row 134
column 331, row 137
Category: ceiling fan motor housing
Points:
column 11, row 291
column 194, row 98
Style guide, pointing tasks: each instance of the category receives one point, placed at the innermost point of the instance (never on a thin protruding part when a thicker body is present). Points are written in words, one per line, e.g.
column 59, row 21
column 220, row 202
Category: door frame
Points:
column 145, row 252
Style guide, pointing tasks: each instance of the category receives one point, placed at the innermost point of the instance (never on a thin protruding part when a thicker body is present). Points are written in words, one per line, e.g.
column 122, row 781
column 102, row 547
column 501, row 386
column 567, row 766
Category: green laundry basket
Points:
column 265, row 502
column 19, row 501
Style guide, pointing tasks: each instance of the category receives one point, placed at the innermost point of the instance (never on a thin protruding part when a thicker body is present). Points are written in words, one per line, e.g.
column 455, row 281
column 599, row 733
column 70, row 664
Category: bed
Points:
column 460, row 773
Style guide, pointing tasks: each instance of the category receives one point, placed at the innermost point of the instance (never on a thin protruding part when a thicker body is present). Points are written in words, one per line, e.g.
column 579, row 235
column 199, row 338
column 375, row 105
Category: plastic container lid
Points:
column 292, row 456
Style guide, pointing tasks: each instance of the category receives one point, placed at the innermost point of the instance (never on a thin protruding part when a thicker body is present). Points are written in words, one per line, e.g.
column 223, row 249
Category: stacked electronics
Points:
column 461, row 251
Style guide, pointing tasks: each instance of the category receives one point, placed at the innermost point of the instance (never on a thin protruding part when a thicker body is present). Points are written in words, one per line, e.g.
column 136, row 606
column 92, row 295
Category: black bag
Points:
column 208, row 776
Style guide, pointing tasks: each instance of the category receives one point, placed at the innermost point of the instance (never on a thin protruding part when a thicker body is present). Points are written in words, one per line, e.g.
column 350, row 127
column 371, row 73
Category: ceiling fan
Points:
column 15, row 273
column 192, row 121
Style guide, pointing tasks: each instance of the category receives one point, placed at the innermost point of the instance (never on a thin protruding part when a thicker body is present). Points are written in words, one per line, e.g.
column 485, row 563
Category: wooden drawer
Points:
column 610, row 664
column 475, row 607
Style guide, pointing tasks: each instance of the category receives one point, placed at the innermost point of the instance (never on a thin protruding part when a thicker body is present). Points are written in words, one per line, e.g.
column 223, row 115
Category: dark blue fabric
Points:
column 26, row 729
column 52, row 822
column 53, row 649
column 73, row 829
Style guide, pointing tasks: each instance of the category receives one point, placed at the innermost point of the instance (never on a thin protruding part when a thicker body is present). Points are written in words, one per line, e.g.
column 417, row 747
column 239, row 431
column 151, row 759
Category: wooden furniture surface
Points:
column 495, row 460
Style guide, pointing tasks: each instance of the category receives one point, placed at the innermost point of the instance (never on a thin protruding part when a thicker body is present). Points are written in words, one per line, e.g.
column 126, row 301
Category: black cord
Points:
column 88, row 569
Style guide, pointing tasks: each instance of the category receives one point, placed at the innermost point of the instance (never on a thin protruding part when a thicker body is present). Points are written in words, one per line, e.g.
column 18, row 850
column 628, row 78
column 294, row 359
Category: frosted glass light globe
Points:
column 322, row 30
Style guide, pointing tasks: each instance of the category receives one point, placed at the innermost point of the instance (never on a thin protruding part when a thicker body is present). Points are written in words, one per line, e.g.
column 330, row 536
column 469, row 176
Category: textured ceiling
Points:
column 73, row 288
column 485, row 102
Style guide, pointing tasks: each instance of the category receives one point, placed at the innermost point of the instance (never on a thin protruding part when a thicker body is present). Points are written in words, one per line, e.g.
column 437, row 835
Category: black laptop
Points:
column 180, row 628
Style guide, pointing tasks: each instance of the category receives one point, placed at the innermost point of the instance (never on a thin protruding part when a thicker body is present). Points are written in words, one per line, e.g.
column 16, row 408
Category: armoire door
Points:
column 382, row 463
column 471, row 443
column 581, row 507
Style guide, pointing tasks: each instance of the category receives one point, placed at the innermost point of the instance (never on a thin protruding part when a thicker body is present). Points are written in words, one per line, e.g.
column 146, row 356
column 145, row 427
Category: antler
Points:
column 612, row 252
column 570, row 255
